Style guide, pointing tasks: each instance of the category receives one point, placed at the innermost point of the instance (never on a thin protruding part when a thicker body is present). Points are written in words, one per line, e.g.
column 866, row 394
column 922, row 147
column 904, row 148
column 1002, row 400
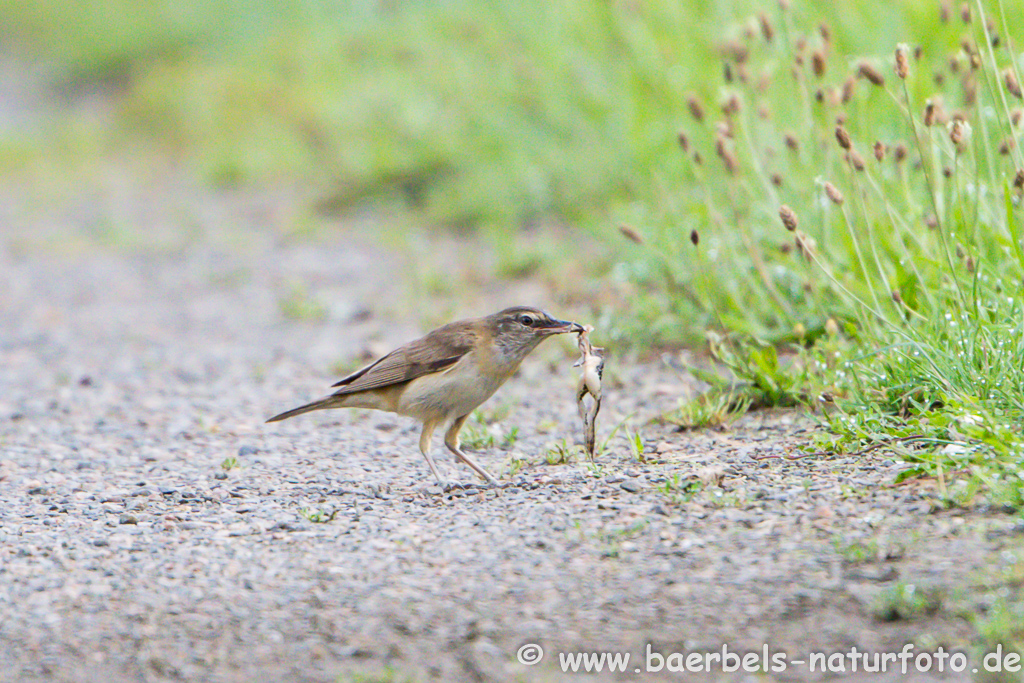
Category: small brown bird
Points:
column 441, row 378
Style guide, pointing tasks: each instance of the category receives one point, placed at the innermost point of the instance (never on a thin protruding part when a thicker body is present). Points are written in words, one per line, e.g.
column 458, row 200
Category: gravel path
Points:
column 153, row 528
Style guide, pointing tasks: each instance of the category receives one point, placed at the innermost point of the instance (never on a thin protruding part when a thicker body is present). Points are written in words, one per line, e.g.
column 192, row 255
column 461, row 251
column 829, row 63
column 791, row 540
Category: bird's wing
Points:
column 440, row 349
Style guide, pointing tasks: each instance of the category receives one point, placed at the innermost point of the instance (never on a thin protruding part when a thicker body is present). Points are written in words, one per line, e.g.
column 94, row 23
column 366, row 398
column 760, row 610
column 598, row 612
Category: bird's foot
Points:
column 447, row 486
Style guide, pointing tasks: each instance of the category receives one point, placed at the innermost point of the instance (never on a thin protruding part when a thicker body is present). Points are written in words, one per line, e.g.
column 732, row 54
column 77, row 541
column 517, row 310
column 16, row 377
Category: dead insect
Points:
column 592, row 362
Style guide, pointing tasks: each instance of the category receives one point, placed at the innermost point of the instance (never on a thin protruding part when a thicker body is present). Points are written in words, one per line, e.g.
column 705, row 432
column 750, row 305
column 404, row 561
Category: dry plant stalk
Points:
column 630, row 233
column 788, row 217
column 834, row 194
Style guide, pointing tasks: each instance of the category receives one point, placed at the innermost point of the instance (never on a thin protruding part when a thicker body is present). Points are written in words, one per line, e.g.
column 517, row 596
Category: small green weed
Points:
column 476, row 436
column 856, row 552
column 907, row 601
column 318, row 516
column 516, row 465
column 636, row 446
column 678, row 490
column 510, row 437
column 483, row 430
column 562, row 453
column 713, row 409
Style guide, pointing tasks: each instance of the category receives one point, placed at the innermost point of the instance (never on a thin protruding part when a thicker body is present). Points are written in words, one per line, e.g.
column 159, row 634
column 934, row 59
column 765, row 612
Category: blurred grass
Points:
column 473, row 114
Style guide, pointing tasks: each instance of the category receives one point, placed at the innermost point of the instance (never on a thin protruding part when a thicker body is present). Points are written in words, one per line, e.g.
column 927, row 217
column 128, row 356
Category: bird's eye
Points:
column 526, row 320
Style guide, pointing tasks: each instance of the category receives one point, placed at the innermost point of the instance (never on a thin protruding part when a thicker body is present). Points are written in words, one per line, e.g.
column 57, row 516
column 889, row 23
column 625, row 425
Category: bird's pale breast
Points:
column 456, row 391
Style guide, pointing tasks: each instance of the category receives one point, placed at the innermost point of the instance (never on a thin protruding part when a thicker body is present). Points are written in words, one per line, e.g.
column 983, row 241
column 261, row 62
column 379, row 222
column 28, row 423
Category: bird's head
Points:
column 519, row 329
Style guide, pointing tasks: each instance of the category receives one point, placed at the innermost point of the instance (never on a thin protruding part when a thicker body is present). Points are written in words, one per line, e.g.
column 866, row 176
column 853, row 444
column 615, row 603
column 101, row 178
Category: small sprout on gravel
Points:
column 712, row 409
column 516, row 465
column 856, row 552
column 230, row 463
column 510, row 438
column 560, row 454
column 636, row 445
column 476, row 436
column 907, row 601
column 483, row 431
column 678, row 490
column 318, row 516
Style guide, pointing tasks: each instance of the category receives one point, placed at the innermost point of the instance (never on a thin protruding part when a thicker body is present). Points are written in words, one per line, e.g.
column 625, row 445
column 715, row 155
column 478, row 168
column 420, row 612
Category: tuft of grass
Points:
column 483, row 430
column 318, row 516
column 856, row 552
column 712, row 409
column 678, row 490
column 907, row 601
column 230, row 463
column 636, row 445
column 1001, row 624
column 562, row 453
column 516, row 465
column 508, row 440
column 866, row 223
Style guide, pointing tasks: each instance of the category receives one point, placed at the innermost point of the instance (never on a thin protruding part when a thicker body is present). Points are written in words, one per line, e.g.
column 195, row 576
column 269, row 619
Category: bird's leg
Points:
column 451, row 440
column 425, row 436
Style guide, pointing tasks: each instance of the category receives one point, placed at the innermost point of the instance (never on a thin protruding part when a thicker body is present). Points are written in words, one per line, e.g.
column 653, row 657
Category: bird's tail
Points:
column 329, row 402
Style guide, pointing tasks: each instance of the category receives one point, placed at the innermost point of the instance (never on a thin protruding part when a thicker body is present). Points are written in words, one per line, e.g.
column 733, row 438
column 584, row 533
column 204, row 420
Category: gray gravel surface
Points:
column 133, row 548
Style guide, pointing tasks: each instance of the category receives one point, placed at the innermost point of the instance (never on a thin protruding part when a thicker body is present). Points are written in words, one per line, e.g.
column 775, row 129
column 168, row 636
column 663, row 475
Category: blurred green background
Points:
column 494, row 117
column 471, row 114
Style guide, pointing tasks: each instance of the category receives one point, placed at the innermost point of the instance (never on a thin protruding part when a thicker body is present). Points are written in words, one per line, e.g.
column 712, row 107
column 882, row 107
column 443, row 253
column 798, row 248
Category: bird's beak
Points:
column 559, row 327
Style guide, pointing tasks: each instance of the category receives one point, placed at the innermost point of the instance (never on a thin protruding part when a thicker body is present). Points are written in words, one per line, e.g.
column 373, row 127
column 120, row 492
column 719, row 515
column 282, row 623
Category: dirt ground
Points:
column 153, row 528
